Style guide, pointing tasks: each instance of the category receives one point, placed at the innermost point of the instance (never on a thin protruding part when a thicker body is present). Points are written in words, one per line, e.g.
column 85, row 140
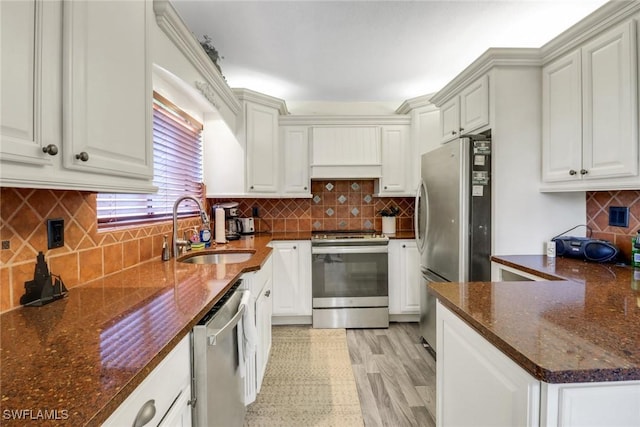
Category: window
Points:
column 177, row 168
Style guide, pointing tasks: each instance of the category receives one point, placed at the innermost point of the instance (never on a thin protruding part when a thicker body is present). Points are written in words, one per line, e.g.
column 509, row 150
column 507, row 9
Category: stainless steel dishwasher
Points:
column 217, row 381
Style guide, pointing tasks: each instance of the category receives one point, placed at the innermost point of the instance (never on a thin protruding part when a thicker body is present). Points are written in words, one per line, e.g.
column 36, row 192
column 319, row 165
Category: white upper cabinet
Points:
column 590, row 114
column 466, row 112
column 294, row 144
column 262, row 148
column 107, row 89
column 24, row 106
column 396, row 161
column 72, row 112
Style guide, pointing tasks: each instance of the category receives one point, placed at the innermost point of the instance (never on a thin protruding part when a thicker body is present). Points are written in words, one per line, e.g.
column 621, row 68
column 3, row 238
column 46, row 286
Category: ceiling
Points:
column 367, row 51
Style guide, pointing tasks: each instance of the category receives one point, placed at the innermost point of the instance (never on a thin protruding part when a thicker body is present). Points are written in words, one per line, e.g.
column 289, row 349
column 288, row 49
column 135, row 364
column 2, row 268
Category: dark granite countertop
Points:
column 582, row 324
column 86, row 353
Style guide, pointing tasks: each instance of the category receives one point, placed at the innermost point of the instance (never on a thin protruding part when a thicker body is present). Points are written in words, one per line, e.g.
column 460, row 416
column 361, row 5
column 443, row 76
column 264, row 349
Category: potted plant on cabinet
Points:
column 389, row 219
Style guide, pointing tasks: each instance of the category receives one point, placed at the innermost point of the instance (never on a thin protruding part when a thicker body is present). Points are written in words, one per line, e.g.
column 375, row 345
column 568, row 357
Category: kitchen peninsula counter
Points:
column 83, row 355
column 580, row 324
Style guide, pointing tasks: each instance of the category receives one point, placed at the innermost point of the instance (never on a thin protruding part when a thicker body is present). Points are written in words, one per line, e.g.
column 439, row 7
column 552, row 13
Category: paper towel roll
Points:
column 220, row 226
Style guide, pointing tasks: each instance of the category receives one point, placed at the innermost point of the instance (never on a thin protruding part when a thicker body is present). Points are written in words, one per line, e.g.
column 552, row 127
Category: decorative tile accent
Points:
column 316, row 199
column 343, row 224
column 598, row 203
column 317, row 225
column 342, row 199
column 368, row 224
column 355, row 211
column 329, row 186
column 367, row 198
column 330, row 212
column 355, row 186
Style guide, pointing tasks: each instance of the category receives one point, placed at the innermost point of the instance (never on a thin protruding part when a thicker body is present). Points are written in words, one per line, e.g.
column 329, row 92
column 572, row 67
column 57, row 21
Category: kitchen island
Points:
column 572, row 338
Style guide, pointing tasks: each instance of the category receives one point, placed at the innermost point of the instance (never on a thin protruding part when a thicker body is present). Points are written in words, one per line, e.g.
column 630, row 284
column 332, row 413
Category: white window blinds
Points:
column 177, row 168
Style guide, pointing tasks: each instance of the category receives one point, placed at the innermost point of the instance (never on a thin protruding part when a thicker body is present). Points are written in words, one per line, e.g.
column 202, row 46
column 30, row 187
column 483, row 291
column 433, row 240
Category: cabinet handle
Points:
column 583, row 171
column 385, row 187
column 461, row 129
column 453, row 132
column 305, row 188
column 251, row 187
column 404, row 246
column 572, row 172
column 145, row 414
column 295, row 247
column 83, row 156
column 266, row 294
column 50, row 149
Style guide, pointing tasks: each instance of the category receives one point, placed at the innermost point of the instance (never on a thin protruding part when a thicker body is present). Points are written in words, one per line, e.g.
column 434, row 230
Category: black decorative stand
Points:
column 44, row 288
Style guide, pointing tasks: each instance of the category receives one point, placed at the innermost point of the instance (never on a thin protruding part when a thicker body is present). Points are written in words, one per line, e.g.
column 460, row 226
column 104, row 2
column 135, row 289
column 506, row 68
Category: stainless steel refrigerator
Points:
column 453, row 220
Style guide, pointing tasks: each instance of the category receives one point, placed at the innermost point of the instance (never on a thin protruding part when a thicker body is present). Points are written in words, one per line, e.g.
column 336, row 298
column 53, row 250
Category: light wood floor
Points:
column 395, row 376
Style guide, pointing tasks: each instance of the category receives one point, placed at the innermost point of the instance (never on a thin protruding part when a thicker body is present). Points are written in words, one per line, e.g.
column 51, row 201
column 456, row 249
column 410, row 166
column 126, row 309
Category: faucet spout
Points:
column 203, row 216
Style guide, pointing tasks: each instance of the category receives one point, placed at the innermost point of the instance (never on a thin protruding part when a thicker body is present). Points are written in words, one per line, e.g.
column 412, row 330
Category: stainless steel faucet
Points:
column 203, row 215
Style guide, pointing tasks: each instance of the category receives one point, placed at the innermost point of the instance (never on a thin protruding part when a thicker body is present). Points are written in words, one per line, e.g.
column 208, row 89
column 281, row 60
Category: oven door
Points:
column 350, row 276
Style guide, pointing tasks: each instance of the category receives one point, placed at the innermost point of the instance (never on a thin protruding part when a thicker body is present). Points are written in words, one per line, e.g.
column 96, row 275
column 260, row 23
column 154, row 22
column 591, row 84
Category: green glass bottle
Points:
column 635, row 250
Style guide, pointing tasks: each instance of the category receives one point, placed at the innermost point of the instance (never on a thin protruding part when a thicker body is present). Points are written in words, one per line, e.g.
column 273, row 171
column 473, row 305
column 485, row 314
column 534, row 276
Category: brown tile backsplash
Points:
column 598, row 203
column 335, row 205
column 90, row 254
column 87, row 253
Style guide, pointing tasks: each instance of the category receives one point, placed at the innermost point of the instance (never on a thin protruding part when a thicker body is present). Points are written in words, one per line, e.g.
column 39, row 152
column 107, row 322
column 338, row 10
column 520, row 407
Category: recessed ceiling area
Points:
column 367, row 51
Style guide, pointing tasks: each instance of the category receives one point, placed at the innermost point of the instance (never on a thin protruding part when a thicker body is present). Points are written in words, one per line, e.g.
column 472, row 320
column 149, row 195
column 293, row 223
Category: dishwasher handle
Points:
column 244, row 300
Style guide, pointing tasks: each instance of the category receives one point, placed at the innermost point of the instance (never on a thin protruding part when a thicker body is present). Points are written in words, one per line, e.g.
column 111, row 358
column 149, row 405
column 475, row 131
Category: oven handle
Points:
column 349, row 250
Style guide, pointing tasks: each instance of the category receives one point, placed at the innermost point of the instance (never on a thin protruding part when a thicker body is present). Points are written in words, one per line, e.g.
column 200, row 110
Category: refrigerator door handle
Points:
column 430, row 276
column 421, row 235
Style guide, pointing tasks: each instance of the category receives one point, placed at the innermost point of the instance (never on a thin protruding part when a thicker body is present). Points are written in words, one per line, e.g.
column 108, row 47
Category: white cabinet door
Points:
column 562, row 119
column 107, row 91
column 263, row 325
column 476, row 383
column 167, row 389
column 294, row 145
column 396, row 165
column 26, row 36
column 262, row 148
column 450, row 120
column 292, row 278
column 474, row 106
column 466, row 112
column 404, row 277
column 610, row 117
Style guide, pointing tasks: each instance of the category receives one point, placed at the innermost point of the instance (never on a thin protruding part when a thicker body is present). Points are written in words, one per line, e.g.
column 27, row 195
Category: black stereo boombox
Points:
column 586, row 248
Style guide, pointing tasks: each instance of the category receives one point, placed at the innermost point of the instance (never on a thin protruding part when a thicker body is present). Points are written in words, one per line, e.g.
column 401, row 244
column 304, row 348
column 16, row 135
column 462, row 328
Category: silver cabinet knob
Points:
column 83, row 156
column 572, row 172
column 583, row 171
column 50, row 149
column 145, row 414
column 266, row 294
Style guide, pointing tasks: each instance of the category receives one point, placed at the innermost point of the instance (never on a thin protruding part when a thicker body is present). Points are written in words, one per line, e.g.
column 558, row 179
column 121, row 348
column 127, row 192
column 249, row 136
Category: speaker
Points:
column 586, row 248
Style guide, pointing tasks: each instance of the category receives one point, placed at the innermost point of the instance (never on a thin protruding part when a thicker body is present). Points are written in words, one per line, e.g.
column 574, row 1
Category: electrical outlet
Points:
column 254, row 212
column 6, row 244
column 55, row 233
column 618, row 216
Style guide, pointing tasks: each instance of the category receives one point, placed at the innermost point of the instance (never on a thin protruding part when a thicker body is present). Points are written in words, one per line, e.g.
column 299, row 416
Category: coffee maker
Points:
column 232, row 222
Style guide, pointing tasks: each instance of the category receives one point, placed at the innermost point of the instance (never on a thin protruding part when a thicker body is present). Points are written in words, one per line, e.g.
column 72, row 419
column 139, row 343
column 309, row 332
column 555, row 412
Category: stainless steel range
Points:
column 350, row 280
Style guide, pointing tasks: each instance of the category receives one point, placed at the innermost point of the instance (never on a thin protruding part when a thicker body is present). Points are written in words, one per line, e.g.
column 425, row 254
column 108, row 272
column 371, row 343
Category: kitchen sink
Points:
column 218, row 258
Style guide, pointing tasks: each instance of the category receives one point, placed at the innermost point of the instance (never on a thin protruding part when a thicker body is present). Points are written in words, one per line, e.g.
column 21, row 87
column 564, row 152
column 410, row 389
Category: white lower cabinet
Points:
column 260, row 285
column 476, row 384
column 164, row 395
column 292, row 281
column 404, row 277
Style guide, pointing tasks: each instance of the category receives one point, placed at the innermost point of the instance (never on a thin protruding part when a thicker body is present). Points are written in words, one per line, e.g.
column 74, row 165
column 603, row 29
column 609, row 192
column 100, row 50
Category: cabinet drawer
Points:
column 164, row 386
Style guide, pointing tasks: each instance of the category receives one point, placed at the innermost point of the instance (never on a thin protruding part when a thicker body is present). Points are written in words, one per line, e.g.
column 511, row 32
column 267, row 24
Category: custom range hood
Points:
column 346, row 152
